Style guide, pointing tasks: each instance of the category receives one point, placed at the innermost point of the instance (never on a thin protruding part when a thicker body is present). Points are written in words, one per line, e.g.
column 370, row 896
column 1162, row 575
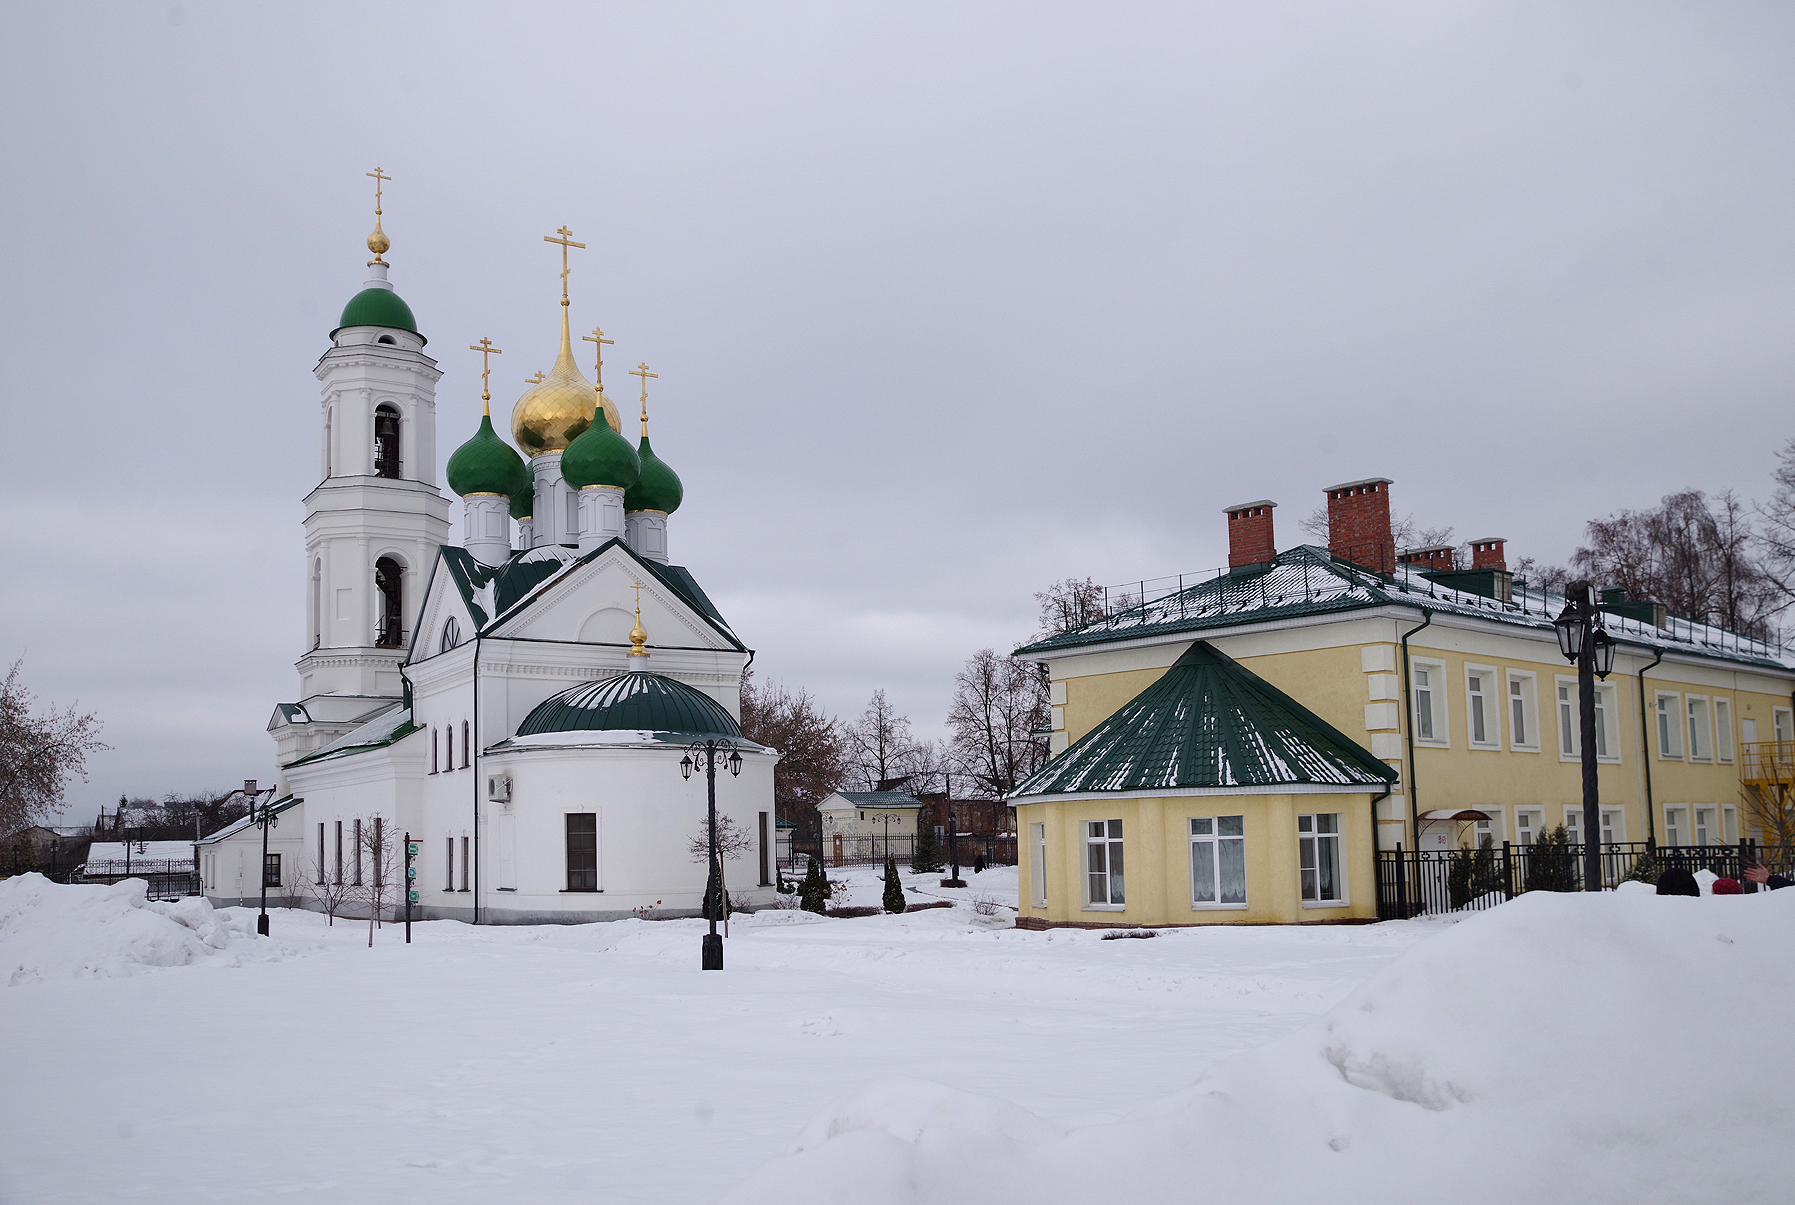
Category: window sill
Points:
column 1421, row 744
column 1485, row 746
column 514, row 889
column 1210, row 907
column 1523, row 748
column 1327, row 903
column 1104, row 908
column 593, row 890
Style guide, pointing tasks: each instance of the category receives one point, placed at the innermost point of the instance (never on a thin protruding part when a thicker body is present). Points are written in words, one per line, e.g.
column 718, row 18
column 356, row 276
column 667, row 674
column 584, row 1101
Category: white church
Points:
column 520, row 705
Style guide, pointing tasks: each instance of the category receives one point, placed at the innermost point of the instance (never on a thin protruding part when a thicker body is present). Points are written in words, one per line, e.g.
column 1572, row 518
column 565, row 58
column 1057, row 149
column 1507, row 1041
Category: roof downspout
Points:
column 1377, row 886
column 1645, row 755
column 1408, row 713
column 476, row 759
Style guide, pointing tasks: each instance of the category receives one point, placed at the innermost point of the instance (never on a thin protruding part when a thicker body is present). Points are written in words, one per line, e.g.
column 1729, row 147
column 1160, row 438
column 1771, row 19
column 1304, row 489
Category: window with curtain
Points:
column 1103, row 863
column 1218, row 862
column 1318, row 853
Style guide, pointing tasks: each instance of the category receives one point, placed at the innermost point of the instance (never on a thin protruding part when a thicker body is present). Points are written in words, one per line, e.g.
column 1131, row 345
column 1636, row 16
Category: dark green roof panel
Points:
column 378, row 307
column 1209, row 722
column 636, row 701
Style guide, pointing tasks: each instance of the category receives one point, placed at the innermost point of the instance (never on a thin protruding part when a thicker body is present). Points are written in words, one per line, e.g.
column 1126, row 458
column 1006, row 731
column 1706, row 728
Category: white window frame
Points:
column 1493, row 704
column 1708, row 832
column 1438, row 715
column 1699, row 726
column 1729, row 824
column 1529, row 700
column 1723, row 730
column 1536, row 824
column 1676, row 834
column 1310, row 844
column 1614, row 823
column 1037, row 866
column 1782, row 723
column 1214, row 839
column 1109, row 839
column 1667, row 719
column 1607, row 715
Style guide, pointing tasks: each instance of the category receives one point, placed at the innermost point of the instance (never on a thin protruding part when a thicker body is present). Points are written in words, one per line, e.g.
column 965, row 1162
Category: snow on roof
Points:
column 140, row 851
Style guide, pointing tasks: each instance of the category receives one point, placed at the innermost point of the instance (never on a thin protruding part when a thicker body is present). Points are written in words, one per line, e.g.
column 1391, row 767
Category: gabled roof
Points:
column 878, row 799
column 236, row 826
column 1307, row 581
column 492, row 593
column 1209, row 723
column 391, row 725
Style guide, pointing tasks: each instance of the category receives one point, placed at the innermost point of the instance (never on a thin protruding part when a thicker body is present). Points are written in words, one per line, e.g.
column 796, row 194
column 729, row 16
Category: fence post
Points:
column 1508, row 871
column 1402, row 889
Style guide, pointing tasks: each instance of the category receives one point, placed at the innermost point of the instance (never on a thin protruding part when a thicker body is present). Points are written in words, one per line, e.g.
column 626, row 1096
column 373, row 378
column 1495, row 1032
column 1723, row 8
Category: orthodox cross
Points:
column 566, row 241
column 379, row 178
column 598, row 370
column 378, row 242
column 641, row 370
column 535, row 380
column 487, row 352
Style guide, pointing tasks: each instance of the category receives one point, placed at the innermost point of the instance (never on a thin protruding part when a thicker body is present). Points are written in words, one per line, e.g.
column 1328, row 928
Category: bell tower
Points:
column 376, row 518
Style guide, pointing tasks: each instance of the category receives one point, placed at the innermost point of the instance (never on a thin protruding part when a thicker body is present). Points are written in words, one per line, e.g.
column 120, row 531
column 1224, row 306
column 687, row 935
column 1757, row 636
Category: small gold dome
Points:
column 553, row 413
column 378, row 243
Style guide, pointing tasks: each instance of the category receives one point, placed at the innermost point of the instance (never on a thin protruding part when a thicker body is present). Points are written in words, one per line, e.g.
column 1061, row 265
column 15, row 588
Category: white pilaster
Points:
column 647, row 534
column 526, row 534
column 557, row 519
column 601, row 515
column 486, row 527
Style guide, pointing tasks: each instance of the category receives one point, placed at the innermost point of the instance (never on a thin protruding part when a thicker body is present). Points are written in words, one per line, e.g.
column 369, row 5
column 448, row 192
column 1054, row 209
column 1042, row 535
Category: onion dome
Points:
column 484, row 464
column 658, row 487
column 638, row 701
column 523, row 493
column 558, row 409
column 600, row 456
column 378, row 307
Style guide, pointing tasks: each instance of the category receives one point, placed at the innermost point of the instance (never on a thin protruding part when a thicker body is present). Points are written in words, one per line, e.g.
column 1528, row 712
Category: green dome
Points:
column 636, row 701
column 484, row 464
column 523, row 492
column 600, row 456
column 378, row 307
column 658, row 487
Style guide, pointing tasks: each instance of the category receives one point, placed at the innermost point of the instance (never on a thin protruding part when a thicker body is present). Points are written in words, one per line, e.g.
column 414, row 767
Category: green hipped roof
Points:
column 484, row 464
column 635, row 701
column 658, row 488
column 1209, row 722
column 378, row 307
column 600, row 456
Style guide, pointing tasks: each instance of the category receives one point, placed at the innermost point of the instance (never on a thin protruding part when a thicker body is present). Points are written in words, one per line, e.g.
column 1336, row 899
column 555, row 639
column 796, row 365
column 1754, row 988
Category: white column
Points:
column 486, row 527
column 601, row 515
column 552, row 524
column 648, row 534
column 526, row 534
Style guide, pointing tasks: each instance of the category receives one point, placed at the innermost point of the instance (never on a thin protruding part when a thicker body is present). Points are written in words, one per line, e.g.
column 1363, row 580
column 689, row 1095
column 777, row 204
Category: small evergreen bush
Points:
column 1551, row 866
column 1646, row 869
column 894, row 887
column 813, row 892
column 925, row 857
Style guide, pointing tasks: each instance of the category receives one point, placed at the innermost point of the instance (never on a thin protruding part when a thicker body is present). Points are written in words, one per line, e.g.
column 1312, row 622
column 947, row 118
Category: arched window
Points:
column 451, row 635
column 386, row 442
column 317, row 603
column 389, row 584
column 386, row 339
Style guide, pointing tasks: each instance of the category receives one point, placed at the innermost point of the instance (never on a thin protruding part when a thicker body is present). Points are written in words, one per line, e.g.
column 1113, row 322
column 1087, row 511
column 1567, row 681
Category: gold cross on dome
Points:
column 379, row 177
column 535, row 380
column 641, row 370
column 598, row 370
column 566, row 241
column 487, row 352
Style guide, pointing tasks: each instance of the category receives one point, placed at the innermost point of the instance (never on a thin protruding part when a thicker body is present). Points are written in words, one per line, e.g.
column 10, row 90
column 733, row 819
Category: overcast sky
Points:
column 948, row 301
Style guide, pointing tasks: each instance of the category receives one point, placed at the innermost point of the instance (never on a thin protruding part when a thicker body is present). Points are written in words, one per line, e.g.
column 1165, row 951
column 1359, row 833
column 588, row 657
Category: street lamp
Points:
column 707, row 753
column 267, row 818
column 1583, row 640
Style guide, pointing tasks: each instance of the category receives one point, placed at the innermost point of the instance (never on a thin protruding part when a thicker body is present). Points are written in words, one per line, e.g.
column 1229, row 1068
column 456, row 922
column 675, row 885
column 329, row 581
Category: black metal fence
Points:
column 1414, row 882
column 852, row 849
column 167, row 878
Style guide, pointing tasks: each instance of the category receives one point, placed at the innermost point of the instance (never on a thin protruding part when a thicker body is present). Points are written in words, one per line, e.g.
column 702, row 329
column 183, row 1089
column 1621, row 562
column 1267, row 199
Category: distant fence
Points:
column 1413, row 882
column 854, row 849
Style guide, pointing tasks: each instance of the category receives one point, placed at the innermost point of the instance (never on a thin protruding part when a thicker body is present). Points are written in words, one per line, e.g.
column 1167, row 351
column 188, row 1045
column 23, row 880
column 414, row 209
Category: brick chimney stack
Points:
column 1249, row 534
column 1431, row 556
column 1359, row 523
column 1488, row 553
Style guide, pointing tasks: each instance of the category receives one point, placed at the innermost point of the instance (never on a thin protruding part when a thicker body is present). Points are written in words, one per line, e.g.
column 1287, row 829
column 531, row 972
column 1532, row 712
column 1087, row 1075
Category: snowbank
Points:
column 86, row 931
column 1613, row 1048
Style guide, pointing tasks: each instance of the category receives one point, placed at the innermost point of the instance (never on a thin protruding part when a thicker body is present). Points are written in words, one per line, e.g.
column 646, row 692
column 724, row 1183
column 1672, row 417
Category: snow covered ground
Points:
column 162, row 1053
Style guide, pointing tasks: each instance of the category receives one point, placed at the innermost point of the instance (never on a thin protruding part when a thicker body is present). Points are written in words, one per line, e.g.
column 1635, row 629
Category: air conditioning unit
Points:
column 498, row 788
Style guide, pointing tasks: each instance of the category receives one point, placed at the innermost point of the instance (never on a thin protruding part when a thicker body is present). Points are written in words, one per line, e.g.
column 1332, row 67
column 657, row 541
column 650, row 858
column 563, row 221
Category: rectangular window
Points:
column 765, row 873
column 435, row 763
column 378, row 856
column 357, row 853
column 1478, row 716
column 1037, row 865
column 1318, row 841
column 466, row 843
column 1670, row 728
column 449, row 747
column 1103, row 863
column 1706, row 831
column 1729, row 822
column 320, row 851
column 466, row 743
column 1780, row 722
column 449, row 864
column 339, row 863
column 582, row 851
column 1218, row 862
column 1573, row 824
column 1701, row 739
column 1613, row 829
column 1428, row 725
column 1570, row 723
column 1568, row 743
column 1522, row 733
column 271, row 870
column 1723, row 729
column 1525, row 827
column 1674, row 826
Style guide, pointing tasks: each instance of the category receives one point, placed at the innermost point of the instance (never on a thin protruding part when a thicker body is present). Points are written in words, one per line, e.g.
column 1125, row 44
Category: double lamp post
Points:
column 1583, row 640
column 706, row 754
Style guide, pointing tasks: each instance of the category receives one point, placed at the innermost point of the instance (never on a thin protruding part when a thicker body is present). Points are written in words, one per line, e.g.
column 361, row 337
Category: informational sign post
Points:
column 411, row 883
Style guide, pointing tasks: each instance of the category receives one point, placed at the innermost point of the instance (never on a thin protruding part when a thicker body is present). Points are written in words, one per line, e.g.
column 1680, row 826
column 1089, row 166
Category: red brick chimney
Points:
column 1359, row 523
column 1431, row 556
column 1488, row 553
column 1249, row 534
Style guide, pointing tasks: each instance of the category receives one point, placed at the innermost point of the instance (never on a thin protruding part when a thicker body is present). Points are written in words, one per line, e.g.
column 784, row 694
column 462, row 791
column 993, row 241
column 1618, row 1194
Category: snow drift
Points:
column 1612, row 1048
column 51, row 931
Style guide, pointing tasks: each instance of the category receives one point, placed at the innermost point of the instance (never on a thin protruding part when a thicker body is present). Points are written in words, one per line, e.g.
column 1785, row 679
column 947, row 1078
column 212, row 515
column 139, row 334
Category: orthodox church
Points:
column 501, row 702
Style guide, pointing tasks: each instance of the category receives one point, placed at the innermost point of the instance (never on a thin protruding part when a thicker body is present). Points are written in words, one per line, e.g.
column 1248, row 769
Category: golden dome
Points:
column 378, row 243
column 554, row 412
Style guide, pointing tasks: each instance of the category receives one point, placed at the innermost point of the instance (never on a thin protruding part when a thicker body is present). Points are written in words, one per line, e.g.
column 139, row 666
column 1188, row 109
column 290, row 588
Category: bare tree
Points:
column 1776, row 535
column 1771, row 808
column 333, row 893
column 380, row 881
column 882, row 746
column 813, row 756
column 39, row 754
column 733, row 840
column 1067, row 605
column 1542, row 577
column 998, row 703
column 1404, row 533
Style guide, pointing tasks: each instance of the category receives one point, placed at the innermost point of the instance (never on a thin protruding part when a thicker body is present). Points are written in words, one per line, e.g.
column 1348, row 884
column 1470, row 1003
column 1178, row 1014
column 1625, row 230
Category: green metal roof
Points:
column 484, row 464
column 658, row 488
column 600, row 456
column 634, row 701
column 1209, row 722
column 378, row 307
column 388, row 727
column 881, row 799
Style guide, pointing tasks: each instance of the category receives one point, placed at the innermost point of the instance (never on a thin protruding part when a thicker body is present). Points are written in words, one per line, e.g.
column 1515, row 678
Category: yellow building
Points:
column 1450, row 679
